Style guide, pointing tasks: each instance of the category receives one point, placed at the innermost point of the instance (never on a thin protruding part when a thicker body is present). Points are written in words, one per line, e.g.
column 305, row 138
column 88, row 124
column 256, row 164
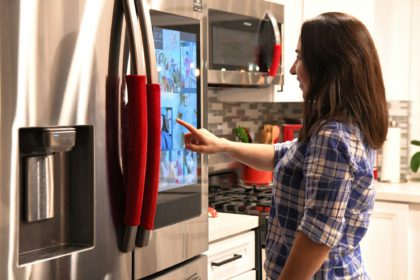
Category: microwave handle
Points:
column 275, row 60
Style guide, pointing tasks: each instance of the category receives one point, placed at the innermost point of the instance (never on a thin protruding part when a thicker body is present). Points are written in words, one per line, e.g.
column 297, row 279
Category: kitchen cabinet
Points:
column 232, row 258
column 231, row 253
column 390, row 23
column 385, row 246
column 391, row 245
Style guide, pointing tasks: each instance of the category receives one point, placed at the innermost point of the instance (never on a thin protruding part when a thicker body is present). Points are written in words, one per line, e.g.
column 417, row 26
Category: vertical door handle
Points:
column 151, row 187
column 135, row 169
column 154, row 127
column 148, row 43
column 276, row 55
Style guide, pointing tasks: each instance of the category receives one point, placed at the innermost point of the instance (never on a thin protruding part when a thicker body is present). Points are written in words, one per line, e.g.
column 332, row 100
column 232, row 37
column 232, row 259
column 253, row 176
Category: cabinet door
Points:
column 231, row 257
column 385, row 246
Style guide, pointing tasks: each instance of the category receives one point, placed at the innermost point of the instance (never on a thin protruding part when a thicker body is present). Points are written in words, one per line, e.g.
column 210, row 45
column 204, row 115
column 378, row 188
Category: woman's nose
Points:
column 293, row 69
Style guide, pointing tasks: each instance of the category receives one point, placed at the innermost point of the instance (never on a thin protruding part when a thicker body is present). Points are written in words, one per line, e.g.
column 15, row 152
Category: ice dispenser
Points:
column 56, row 199
column 40, row 145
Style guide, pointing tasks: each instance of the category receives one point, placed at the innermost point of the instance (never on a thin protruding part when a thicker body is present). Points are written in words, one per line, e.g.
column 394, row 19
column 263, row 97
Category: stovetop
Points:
column 241, row 199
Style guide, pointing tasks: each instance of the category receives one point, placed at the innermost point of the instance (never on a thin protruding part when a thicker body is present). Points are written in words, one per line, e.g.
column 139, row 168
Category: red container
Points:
column 291, row 131
column 252, row 176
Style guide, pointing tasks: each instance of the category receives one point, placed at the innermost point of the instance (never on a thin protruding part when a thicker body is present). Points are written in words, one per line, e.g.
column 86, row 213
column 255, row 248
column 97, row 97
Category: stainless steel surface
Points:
column 236, row 78
column 54, row 65
column 41, row 140
column 189, row 238
column 251, row 8
column 71, row 229
column 39, row 188
column 57, row 69
column 194, row 270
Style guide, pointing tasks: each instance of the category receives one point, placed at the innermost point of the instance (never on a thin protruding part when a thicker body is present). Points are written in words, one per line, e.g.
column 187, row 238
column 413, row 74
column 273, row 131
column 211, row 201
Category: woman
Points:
column 323, row 191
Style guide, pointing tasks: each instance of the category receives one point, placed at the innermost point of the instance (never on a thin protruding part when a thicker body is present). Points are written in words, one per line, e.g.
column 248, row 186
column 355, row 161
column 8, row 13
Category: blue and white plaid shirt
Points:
column 324, row 189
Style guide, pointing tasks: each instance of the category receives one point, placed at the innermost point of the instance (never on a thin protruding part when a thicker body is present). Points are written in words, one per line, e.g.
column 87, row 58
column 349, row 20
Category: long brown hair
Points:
column 346, row 82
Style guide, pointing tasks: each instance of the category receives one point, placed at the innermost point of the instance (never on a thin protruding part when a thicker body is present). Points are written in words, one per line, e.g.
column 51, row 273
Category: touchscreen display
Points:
column 176, row 61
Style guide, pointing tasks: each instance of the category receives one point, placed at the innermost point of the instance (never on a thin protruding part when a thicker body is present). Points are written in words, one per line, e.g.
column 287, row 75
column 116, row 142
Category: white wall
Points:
column 415, row 74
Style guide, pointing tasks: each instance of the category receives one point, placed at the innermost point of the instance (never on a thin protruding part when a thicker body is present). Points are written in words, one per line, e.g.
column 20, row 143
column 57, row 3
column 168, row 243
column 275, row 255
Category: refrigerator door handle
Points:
column 148, row 43
column 136, row 154
column 154, row 126
column 151, row 188
column 134, row 37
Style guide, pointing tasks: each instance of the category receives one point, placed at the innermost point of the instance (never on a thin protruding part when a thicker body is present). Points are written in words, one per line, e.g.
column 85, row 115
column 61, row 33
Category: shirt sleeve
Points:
column 280, row 149
column 327, row 171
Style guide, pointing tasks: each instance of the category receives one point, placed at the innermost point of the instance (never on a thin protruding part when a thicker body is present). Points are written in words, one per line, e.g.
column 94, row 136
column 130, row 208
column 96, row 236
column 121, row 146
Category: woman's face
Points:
column 299, row 70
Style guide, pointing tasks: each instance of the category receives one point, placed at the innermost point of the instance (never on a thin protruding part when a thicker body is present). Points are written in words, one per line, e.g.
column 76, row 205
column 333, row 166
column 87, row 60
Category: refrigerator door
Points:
column 55, row 74
column 181, row 215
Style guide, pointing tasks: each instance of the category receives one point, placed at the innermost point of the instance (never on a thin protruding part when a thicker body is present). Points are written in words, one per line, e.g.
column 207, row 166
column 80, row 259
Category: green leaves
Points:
column 415, row 142
column 415, row 160
column 242, row 134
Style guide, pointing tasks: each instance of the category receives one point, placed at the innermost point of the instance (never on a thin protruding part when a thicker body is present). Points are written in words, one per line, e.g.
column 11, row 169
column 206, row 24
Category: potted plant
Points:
column 249, row 175
column 415, row 159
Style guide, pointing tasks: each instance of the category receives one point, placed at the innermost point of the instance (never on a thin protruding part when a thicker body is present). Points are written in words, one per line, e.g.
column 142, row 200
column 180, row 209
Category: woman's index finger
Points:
column 188, row 126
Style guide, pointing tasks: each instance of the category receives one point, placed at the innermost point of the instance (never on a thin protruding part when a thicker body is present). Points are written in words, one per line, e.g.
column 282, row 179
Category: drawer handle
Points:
column 234, row 258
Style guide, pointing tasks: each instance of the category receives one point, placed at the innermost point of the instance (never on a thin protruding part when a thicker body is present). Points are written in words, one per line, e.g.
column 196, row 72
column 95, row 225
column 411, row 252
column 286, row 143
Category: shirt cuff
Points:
column 321, row 228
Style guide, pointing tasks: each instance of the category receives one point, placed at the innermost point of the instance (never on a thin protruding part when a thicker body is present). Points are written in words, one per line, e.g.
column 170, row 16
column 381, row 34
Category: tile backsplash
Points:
column 224, row 116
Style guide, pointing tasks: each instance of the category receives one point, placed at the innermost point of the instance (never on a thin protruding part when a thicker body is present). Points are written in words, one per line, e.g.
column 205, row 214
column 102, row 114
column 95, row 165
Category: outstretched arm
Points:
column 260, row 156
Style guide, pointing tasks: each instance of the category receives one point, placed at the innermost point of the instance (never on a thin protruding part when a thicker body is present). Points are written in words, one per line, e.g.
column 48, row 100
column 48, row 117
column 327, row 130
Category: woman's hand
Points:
column 259, row 156
column 201, row 140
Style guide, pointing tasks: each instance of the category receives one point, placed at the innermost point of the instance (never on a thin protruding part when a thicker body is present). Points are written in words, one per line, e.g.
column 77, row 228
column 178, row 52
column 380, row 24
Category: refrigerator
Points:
column 95, row 180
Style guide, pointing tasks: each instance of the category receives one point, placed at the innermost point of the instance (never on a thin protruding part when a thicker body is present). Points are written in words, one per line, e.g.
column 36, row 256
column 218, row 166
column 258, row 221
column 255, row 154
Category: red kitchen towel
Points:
column 153, row 157
column 137, row 148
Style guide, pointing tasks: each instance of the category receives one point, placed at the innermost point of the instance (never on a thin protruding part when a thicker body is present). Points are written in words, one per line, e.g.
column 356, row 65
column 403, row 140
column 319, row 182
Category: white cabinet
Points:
column 391, row 245
column 291, row 30
column 392, row 35
column 232, row 257
column 385, row 246
column 390, row 23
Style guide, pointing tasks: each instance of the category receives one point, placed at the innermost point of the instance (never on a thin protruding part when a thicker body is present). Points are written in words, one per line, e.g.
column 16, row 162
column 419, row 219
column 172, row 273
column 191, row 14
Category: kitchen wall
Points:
column 224, row 116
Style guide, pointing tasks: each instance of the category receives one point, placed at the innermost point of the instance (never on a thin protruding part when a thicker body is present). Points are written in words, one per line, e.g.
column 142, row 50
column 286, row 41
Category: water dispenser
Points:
column 56, row 201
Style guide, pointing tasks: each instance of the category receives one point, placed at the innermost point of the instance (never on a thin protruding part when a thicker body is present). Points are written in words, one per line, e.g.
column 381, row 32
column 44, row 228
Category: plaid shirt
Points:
column 322, row 188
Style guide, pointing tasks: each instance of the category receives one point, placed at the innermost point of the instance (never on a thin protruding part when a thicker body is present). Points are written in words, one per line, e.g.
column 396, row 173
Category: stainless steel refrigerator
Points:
column 95, row 181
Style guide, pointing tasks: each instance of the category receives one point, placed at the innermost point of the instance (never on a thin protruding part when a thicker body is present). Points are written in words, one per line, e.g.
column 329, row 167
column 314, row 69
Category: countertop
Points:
column 398, row 192
column 226, row 224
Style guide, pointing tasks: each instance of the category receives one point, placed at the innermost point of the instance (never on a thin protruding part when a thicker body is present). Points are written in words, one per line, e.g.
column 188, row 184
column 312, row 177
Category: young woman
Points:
column 323, row 191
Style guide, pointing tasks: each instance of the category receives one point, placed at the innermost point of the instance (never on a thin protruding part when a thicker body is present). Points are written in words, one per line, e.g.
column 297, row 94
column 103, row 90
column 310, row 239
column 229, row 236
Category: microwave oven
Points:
column 244, row 42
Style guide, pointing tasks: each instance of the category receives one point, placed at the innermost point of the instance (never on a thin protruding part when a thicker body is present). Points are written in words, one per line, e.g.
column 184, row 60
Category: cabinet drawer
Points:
column 249, row 275
column 232, row 256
